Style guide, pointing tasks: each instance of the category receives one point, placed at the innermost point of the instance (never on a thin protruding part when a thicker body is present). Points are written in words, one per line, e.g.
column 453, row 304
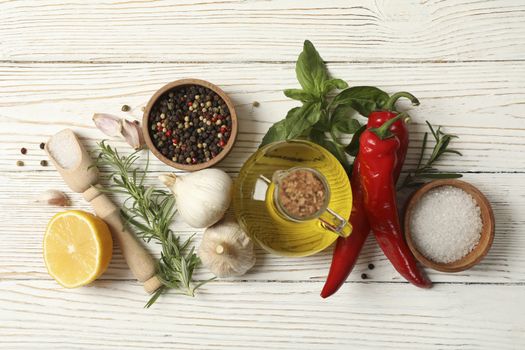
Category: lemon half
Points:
column 77, row 248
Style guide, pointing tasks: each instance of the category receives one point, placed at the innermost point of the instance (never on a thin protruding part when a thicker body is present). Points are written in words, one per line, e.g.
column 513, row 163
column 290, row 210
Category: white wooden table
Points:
column 62, row 61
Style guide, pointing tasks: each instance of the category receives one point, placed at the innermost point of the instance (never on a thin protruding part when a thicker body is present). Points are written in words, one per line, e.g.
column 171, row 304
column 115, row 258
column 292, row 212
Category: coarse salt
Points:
column 62, row 147
column 446, row 224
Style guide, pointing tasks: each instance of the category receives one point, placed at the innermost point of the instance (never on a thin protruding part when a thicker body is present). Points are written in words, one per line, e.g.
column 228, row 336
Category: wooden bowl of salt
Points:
column 449, row 225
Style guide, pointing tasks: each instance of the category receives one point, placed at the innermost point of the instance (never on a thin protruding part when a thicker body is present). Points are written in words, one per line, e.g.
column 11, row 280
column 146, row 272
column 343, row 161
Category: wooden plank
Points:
column 481, row 102
column 226, row 31
column 38, row 314
column 21, row 247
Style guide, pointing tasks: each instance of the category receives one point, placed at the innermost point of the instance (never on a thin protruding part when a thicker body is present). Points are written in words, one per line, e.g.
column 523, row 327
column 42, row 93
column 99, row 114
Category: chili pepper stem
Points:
column 383, row 132
column 393, row 99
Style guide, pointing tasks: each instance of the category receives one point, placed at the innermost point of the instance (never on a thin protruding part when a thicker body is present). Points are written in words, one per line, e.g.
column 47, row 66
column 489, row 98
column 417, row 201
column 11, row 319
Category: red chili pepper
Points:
column 399, row 128
column 377, row 150
column 347, row 250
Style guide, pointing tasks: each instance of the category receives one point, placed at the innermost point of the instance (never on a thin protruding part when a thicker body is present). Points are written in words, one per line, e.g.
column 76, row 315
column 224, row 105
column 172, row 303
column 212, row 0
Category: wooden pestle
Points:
column 81, row 178
column 138, row 259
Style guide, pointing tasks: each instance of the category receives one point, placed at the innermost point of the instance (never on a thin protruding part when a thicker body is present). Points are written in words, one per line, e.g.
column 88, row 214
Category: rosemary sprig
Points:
column 427, row 169
column 150, row 211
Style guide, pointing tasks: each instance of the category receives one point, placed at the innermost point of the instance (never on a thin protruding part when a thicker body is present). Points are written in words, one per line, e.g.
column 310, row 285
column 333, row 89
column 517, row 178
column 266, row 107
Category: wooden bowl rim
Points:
column 487, row 231
column 178, row 83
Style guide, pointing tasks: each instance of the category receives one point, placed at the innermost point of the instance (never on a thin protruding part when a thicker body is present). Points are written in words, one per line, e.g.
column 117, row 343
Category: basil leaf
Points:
column 318, row 137
column 364, row 99
column 331, row 84
column 311, row 70
column 342, row 120
column 277, row 132
column 353, row 146
column 301, row 118
column 298, row 94
column 324, row 122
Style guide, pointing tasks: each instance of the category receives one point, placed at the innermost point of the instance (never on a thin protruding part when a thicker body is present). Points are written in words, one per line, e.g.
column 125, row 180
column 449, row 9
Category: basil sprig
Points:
column 323, row 118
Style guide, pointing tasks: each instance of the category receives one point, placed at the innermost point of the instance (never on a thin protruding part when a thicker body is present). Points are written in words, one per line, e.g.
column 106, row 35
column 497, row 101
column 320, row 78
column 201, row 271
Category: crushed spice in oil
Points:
column 301, row 194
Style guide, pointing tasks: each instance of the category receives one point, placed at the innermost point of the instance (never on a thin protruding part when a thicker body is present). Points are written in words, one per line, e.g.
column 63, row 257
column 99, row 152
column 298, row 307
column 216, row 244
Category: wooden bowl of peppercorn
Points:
column 190, row 124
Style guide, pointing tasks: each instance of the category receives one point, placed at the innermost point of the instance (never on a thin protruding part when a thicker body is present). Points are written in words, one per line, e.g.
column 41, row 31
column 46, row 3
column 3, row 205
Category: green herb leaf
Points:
column 331, row 84
column 149, row 212
column 311, row 70
column 427, row 170
column 297, row 123
column 364, row 99
column 342, row 120
column 300, row 95
column 277, row 132
column 353, row 146
column 324, row 123
column 300, row 119
column 452, row 151
column 319, row 137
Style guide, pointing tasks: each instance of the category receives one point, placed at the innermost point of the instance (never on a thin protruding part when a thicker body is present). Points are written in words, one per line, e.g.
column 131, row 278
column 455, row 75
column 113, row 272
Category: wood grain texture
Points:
column 481, row 102
column 109, row 314
column 21, row 258
column 62, row 61
column 225, row 31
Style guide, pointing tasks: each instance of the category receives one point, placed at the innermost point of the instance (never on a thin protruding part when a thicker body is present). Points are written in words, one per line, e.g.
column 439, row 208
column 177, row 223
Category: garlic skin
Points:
column 226, row 250
column 107, row 123
column 132, row 133
column 202, row 197
column 53, row 197
column 114, row 126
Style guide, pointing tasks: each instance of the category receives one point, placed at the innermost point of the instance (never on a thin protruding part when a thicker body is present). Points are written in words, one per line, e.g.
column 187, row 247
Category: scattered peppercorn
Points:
column 186, row 117
column 125, row 108
column 42, row 145
column 43, row 162
column 23, row 150
column 256, row 104
column 19, row 163
column 364, row 276
column 371, row 266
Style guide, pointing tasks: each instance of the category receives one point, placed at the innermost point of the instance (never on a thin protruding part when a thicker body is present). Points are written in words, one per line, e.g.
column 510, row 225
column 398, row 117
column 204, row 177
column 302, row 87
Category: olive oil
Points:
column 255, row 207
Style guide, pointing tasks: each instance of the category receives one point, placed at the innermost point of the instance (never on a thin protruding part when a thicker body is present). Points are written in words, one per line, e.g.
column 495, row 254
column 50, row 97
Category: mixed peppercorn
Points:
column 190, row 124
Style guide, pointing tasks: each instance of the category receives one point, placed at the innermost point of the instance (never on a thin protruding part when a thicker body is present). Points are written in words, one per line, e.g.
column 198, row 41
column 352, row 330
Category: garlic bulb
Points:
column 226, row 250
column 202, row 197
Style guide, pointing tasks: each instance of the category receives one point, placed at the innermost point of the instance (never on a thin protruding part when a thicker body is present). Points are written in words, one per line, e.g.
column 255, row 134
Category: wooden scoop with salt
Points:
column 74, row 163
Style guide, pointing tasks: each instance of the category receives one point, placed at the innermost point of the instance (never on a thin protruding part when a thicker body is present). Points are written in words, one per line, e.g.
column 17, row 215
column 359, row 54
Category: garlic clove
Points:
column 132, row 133
column 107, row 123
column 53, row 197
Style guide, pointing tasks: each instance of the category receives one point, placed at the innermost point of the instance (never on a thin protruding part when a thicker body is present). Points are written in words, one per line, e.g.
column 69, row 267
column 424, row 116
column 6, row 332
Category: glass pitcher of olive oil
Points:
column 293, row 198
